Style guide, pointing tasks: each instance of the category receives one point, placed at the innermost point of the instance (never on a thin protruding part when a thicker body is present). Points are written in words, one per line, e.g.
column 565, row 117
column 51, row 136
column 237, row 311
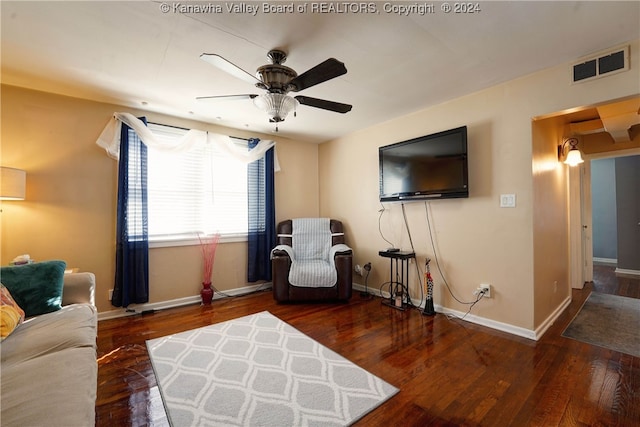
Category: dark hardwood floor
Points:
column 450, row 372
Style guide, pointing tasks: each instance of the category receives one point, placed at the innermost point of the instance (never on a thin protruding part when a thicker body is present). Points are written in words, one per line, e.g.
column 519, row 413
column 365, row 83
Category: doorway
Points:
column 598, row 139
column 612, row 209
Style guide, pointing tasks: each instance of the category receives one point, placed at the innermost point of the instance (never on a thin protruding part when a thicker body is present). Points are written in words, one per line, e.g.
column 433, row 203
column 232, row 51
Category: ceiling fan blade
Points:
column 227, row 97
column 322, row 72
column 229, row 67
column 324, row 104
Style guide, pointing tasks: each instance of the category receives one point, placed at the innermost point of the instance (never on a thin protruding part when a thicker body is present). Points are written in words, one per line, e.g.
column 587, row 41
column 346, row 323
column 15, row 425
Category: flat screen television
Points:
column 429, row 167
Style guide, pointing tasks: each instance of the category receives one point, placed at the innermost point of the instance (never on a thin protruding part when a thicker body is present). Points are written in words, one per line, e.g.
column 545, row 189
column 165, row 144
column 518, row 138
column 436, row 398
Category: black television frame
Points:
column 422, row 194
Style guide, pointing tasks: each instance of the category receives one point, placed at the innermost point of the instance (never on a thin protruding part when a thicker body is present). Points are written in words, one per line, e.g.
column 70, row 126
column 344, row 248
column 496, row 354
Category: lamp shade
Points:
column 12, row 183
column 574, row 157
column 276, row 105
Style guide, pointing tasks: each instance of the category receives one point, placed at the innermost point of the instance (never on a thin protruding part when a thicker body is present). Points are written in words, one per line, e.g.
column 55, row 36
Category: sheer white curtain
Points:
column 109, row 139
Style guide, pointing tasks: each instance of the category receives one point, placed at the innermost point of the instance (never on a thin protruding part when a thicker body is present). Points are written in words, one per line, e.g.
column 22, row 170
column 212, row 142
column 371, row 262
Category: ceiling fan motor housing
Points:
column 275, row 78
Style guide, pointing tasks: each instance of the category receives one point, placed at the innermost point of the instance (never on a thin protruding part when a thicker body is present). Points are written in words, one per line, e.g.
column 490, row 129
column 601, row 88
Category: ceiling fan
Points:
column 278, row 80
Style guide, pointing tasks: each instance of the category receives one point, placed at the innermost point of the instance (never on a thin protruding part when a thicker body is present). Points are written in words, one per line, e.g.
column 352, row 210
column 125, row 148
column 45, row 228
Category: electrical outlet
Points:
column 110, row 294
column 358, row 270
column 485, row 289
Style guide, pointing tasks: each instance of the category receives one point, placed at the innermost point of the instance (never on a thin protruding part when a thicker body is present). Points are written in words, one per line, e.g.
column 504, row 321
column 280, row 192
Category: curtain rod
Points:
column 181, row 128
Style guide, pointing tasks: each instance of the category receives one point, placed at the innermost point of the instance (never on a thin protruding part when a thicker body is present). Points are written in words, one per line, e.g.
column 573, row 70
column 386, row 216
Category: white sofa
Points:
column 48, row 371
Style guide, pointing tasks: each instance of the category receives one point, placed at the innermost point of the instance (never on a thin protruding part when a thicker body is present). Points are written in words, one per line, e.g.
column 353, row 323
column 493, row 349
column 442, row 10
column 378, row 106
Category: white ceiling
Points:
column 133, row 54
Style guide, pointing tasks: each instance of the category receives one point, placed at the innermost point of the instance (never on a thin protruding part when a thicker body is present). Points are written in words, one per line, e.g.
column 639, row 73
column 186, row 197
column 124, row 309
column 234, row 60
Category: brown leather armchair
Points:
column 281, row 259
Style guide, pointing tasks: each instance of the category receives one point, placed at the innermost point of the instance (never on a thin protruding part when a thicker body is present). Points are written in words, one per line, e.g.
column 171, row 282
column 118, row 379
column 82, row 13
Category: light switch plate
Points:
column 507, row 200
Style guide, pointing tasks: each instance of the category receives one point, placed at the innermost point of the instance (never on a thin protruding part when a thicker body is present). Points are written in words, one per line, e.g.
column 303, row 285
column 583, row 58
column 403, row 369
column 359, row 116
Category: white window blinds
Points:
column 202, row 190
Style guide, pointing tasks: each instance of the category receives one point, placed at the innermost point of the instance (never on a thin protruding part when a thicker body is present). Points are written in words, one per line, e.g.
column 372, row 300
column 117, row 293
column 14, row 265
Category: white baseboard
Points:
column 372, row 291
column 135, row 309
column 610, row 261
column 493, row 324
column 626, row 271
column 500, row 326
column 192, row 300
column 540, row 330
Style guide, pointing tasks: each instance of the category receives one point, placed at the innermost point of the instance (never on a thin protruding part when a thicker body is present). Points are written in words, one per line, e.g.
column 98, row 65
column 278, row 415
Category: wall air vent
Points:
column 601, row 64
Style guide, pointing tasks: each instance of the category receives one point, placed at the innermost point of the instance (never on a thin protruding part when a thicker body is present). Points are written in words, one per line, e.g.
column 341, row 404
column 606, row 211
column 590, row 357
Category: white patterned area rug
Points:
column 260, row 371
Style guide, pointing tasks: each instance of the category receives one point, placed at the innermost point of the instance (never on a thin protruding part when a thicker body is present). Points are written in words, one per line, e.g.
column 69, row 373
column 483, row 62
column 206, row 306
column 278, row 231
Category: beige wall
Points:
column 550, row 220
column 69, row 213
column 477, row 241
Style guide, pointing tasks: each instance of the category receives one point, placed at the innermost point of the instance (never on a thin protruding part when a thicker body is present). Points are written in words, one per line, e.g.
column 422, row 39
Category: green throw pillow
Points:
column 37, row 287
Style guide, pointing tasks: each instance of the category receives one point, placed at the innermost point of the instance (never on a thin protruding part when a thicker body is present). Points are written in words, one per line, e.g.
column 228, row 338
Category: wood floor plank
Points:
column 450, row 372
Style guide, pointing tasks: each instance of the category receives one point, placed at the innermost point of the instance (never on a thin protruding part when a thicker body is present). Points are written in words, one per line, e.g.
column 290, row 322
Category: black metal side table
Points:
column 398, row 290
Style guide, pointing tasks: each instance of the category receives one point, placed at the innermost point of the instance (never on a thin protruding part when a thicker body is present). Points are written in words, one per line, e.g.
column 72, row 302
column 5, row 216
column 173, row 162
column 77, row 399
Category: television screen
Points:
column 431, row 166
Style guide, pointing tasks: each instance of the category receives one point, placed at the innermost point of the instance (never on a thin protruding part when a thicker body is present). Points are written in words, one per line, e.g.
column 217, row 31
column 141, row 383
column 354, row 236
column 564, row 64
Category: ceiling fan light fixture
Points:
column 276, row 105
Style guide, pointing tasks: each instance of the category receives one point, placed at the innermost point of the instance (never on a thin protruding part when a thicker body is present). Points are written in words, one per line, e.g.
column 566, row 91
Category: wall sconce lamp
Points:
column 573, row 157
column 12, row 183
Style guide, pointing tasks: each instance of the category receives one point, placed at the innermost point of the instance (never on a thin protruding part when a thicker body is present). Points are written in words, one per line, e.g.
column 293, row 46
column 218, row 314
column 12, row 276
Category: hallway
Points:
column 606, row 281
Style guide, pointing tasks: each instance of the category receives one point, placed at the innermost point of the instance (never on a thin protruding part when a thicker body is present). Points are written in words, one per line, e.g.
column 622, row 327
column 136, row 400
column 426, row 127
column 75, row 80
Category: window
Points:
column 200, row 190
